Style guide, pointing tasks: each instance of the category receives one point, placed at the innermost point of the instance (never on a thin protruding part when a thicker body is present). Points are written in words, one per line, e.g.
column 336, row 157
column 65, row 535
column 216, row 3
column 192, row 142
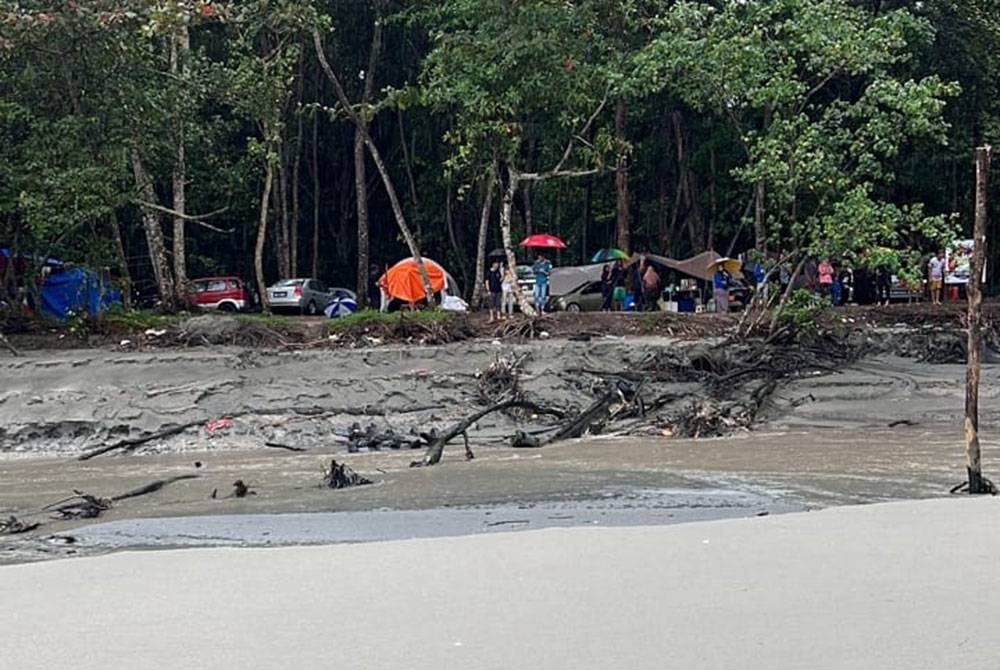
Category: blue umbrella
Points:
column 339, row 307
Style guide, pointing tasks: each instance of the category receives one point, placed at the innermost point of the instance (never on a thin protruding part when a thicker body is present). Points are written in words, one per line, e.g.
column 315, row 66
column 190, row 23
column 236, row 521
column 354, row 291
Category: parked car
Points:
column 307, row 296
column 228, row 294
column 585, row 298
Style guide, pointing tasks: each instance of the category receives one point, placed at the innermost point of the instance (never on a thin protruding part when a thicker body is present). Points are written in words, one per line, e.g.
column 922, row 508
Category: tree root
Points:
column 341, row 476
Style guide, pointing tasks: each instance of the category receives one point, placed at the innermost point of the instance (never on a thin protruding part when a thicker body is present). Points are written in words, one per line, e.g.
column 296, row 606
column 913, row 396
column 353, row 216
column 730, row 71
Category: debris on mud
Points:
column 80, row 506
column 241, row 490
column 341, row 476
column 372, row 439
column 14, row 526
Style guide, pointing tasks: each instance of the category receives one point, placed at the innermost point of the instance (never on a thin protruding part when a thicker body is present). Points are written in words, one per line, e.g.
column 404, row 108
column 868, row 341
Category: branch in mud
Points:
column 8, row 346
column 86, row 506
column 130, row 444
column 14, row 526
column 437, row 442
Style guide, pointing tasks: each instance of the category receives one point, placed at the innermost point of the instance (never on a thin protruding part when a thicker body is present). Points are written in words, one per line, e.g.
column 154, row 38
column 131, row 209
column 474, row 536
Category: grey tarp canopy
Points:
column 565, row 279
column 696, row 266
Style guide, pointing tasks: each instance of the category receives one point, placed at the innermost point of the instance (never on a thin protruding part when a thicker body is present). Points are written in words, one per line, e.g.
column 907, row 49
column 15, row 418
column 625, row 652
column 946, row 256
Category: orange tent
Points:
column 402, row 280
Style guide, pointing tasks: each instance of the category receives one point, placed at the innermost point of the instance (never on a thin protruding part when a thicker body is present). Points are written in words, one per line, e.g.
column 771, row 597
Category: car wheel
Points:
column 573, row 307
column 311, row 308
column 227, row 307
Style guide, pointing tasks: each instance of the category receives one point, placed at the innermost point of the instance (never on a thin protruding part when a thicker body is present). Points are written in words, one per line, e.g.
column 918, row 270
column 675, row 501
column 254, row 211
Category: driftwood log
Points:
column 436, row 445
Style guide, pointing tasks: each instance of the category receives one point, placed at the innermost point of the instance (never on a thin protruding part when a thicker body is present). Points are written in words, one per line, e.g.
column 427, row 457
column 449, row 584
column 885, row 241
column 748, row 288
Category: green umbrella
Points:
column 605, row 255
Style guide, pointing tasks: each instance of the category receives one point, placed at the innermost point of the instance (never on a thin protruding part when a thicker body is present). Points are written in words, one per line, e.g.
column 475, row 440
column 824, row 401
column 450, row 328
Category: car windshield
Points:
column 289, row 282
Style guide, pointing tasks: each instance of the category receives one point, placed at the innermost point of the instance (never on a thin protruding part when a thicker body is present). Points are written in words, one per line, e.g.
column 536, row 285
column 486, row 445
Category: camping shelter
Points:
column 76, row 291
column 402, row 281
column 565, row 279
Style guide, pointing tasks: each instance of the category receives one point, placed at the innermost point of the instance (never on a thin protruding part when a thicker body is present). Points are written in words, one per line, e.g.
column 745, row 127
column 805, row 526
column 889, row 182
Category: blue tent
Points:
column 77, row 290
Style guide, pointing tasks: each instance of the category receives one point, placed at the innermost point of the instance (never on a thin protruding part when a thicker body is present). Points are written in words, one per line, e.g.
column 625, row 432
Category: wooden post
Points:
column 972, row 456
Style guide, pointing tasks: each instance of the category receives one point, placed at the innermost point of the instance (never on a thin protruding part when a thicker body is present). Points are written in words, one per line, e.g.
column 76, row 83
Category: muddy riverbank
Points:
column 879, row 427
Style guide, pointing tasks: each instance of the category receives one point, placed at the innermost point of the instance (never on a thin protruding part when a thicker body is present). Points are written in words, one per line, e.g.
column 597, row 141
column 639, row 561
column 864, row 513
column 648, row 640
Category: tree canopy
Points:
column 181, row 138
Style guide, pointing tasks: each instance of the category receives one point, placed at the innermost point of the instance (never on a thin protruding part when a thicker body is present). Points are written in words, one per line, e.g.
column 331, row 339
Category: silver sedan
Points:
column 307, row 296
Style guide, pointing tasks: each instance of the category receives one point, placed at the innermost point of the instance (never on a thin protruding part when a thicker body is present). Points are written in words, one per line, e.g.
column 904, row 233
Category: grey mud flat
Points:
column 826, row 441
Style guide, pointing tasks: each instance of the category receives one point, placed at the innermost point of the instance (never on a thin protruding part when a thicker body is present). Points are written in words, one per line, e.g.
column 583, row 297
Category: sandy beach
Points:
column 878, row 586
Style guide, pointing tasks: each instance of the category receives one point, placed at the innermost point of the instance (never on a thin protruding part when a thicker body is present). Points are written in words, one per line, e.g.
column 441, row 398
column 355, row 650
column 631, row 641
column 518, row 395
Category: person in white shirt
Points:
column 935, row 276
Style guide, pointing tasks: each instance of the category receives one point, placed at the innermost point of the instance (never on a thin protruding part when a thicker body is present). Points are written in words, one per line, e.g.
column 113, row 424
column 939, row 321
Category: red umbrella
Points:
column 543, row 241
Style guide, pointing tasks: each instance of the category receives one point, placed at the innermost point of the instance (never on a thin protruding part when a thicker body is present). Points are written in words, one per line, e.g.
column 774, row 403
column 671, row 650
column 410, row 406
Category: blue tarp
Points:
column 78, row 291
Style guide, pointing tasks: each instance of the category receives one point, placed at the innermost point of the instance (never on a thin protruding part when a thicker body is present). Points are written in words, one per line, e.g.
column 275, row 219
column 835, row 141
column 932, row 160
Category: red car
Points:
column 228, row 294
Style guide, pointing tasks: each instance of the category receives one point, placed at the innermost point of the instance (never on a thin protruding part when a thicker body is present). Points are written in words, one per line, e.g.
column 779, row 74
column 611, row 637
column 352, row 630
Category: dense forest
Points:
column 170, row 139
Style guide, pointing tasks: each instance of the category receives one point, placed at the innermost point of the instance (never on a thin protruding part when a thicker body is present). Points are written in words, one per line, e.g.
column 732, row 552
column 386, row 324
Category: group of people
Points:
column 846, row 284
column 640, row 280
column 499, row 285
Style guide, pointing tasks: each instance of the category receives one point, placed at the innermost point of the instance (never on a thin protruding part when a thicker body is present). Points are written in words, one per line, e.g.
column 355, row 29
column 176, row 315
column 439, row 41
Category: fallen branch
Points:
column 436, row 447
column 80, row 506
column 152, row 487
column 129, row 444
column 278, row 445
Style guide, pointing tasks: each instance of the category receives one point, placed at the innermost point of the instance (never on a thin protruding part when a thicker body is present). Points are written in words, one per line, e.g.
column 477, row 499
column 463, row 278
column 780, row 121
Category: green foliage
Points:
column 368, row 318
column 858, row 117
column 266, row 320
column 139, row 320
column 802, row 309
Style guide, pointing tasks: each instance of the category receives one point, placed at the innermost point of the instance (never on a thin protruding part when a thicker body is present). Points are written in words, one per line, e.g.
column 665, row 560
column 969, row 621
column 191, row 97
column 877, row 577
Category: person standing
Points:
column 883, row 285
column 507, row 292
column 720, row 289
column 374, row 292
column 935, row 276
column 494, row 289
column 607, row 288
column 542, row 269
column 635, row 284
column 651, row 286
column 618, row 286
column 825, row 273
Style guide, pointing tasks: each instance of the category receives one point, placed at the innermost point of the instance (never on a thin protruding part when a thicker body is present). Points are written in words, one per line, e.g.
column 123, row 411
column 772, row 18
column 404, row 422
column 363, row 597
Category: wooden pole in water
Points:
column 972, row 457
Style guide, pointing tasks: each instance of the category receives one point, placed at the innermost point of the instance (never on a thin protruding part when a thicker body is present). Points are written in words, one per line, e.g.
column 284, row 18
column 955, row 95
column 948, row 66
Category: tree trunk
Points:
column 759, row 230
column 481, row 240
column 154, row 235
column 359, row 123
column 407, row 163
column 316, row 192
column 712, row 198
column 588, row 219
column 361, row 198
column 975, row 341
column 293, row 241
column 624, row 228
column 449, row 219
column 180, row 46
column 258, row 254
column 116, row 226
column 508, row 244
column 281, row 214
